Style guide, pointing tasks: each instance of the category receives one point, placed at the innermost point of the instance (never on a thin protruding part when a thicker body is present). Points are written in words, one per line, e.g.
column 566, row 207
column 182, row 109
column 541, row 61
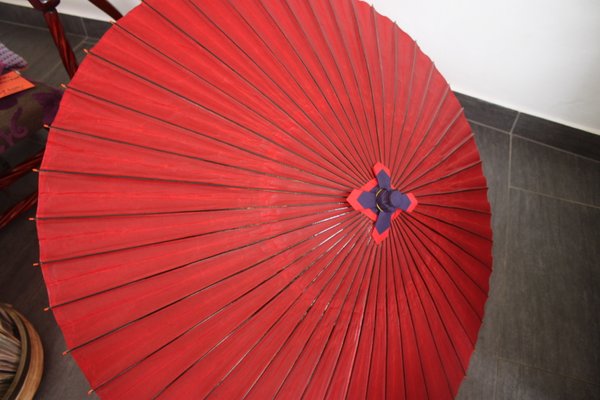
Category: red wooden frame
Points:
column 16, row 173
column 48, row 8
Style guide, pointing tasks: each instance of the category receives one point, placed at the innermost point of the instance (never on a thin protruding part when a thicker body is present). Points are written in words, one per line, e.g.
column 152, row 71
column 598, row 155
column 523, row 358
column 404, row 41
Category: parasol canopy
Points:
column 259, row 199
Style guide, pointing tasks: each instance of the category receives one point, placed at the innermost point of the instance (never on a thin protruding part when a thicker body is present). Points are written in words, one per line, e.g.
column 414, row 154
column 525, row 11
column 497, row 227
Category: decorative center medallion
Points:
column 378, row 200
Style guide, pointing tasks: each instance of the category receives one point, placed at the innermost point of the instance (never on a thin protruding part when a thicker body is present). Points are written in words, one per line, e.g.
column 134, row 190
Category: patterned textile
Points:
column 10, row 60
column 25, row 112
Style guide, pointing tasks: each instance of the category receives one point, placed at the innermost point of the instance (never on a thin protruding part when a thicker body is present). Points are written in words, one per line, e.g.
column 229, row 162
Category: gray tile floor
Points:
column 541, row 333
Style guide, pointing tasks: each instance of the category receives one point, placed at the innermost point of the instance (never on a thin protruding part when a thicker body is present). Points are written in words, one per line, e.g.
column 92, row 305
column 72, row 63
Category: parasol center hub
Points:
column 388, row 200
column 379, row 201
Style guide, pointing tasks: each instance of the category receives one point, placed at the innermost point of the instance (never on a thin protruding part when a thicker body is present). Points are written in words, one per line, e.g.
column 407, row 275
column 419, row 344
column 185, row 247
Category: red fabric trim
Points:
column 380, row 237
column 377, row 168
column 413, row 202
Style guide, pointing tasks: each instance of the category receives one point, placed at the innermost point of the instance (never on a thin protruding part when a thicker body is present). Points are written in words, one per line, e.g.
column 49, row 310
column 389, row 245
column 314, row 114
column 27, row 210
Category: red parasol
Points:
column 198, row 218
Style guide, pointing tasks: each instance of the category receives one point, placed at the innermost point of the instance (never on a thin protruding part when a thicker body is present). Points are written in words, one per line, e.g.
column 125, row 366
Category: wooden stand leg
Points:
column 18, row 209
column 58, row 33
column 108, row 8
column 61, row 41
column 11, row 177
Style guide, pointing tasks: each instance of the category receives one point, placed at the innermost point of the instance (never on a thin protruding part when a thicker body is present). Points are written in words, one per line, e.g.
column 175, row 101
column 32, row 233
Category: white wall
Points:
column 537, row 56
column 83, row 8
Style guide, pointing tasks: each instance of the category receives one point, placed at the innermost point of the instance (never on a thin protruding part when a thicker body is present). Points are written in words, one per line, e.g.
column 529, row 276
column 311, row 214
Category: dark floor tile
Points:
column 59, row 75
column 549, row 314
column 557, row 135
column 21, row 284
column 23, row 150
column 36, row 47
column 487, row 113
column 518, row 382
column 21, row 15
column 88, row 44
column 553, row 172
column 94, row 28
column 6, row 201
column 63, row 378
column 480, row 379
column 487, row 340
column 494, row 150
column 72, row 24
column 18, row 190
column 17, row 247
column 29, row 16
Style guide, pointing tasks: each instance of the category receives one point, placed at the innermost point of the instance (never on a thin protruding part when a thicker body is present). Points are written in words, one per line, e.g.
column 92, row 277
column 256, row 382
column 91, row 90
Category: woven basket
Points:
column 21, row 356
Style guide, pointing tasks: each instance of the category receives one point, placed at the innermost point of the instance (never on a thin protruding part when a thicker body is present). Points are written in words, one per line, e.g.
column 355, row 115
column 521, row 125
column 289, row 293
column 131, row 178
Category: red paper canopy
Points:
column 195, row 234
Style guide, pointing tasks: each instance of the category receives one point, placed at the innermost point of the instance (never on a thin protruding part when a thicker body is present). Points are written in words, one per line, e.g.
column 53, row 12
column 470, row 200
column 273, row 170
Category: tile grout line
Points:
column 521, row 364
column 506, row 237
column 509, row 173
column 553, row 197
column 75, row 47
column 512, row 128
column 59, row 64
column 24, row 25
column 85, row 35
column 495, row 378
column 512, row 132
column 38, row 28
column 51, row 71
column 472, row 121
column 82, row 45
column 85, row 31
column 508, row 181
column 28, row 24
column 556, row 148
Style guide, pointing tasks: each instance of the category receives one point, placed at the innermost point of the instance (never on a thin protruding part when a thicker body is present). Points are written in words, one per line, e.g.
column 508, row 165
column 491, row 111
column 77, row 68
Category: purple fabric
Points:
column 49, row 102
column 25, row 112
